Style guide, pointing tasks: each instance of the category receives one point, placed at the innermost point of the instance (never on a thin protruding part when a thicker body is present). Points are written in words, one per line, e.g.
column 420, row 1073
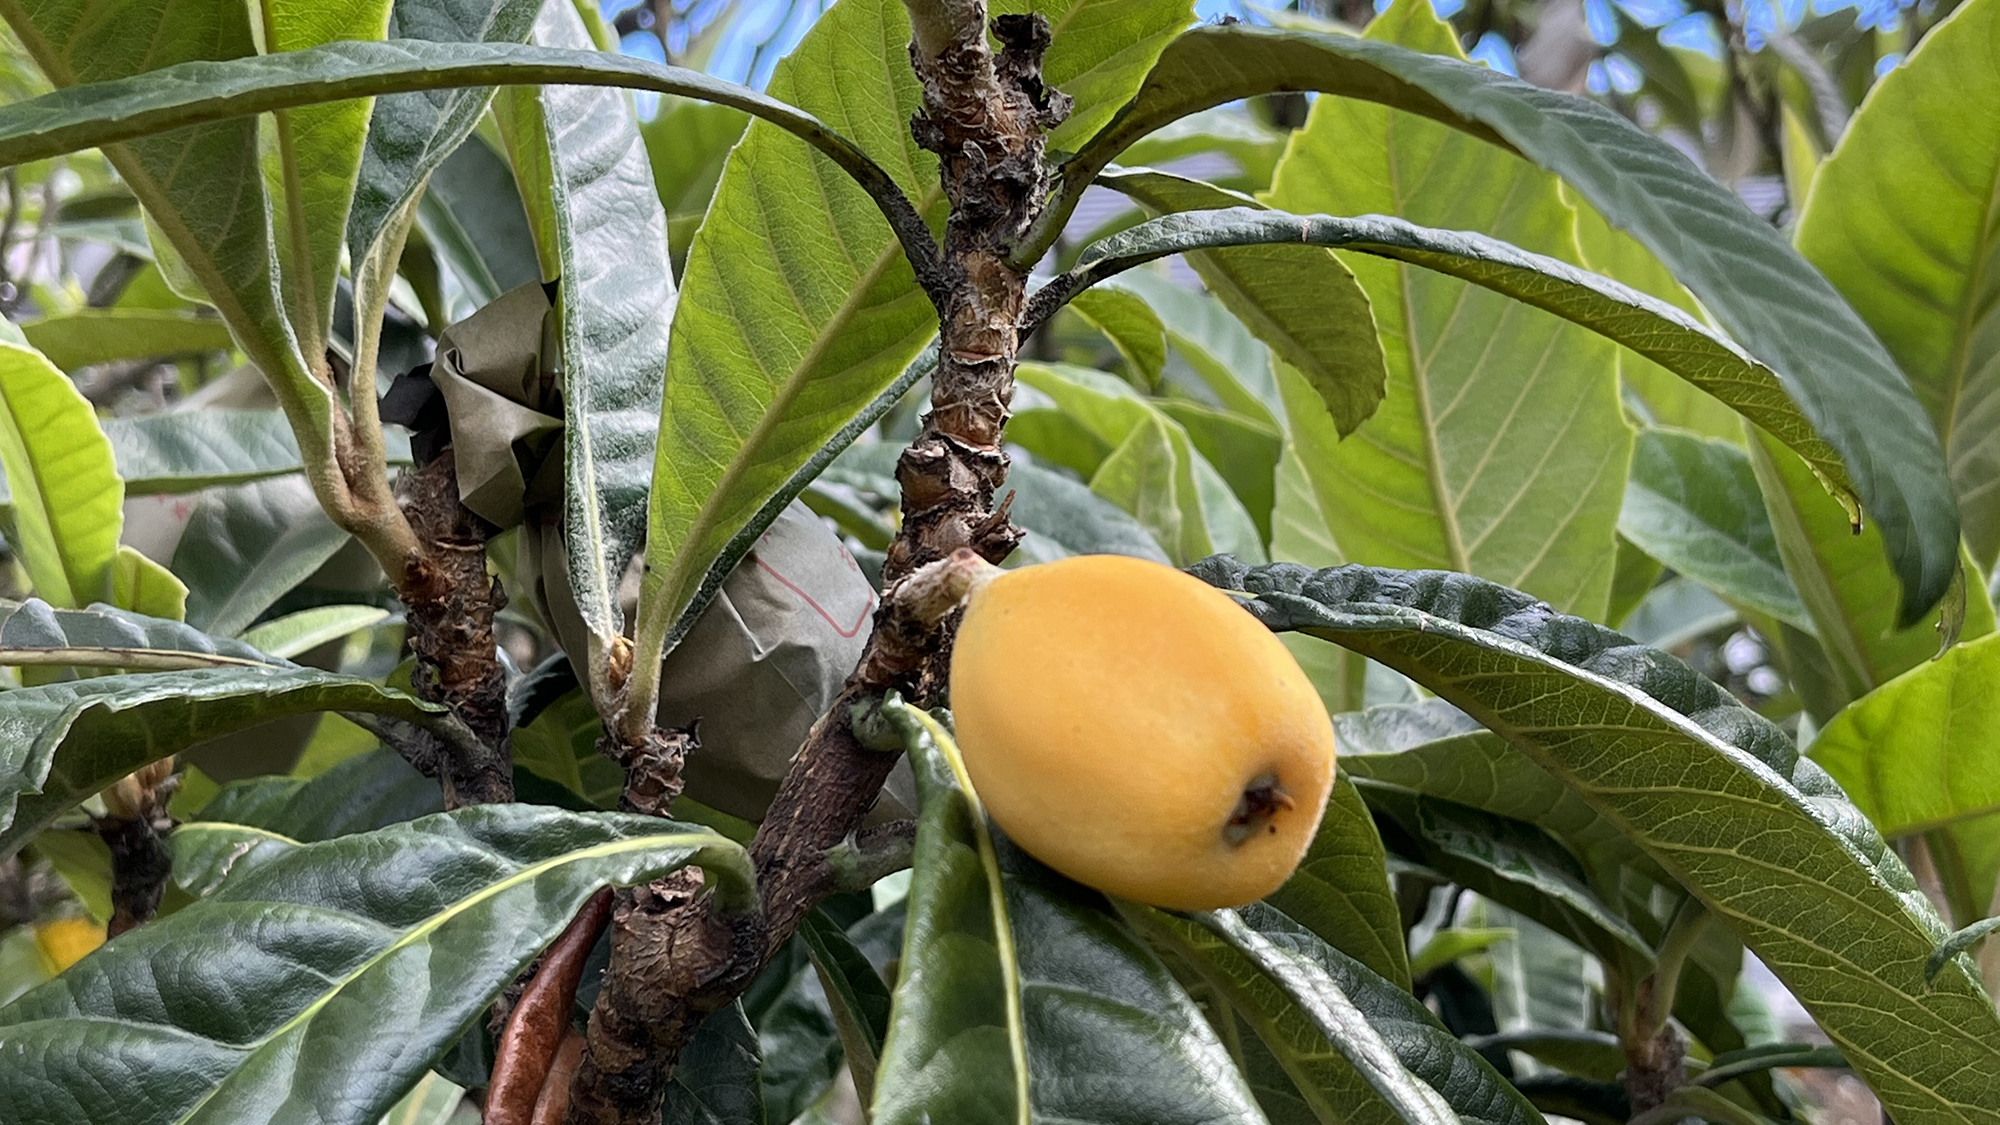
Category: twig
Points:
column 133, row 827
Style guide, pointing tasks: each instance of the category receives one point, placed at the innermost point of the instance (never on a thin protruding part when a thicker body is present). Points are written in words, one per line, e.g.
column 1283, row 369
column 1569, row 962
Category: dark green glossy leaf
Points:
column 1714, row 793
column 715, row 1079
column 1755, row 285
column 1594, row 1055
column 1693, row 504
column 1339, row 1061
column 327, row 975
column 246, row 545
column 1018, row 997
column 63, row 742
column 859, row 999
column 1341, row 889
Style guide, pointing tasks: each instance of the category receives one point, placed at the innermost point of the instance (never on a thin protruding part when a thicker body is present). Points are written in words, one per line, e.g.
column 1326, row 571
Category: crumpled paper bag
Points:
column 763, row 660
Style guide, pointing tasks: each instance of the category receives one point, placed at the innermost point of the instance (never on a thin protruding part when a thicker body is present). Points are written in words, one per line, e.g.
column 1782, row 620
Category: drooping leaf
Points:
column 1341, row 888
column 1693, row 504
column 1758, row 289
column 189, row 450
column 66, row 493
column 1714, row 793
column 1133, row 328
column 1848, row 588
column 761, row 377
column 330, row 975
column 34, row 632
column 854, row 990
column 1338, row 1060
column 89, row 336
column 1902, row 221
column 202, row 186
column 1923, row 749
column 1305, row 304
column 1019, row 997
column 65, row 741
column 246, row 545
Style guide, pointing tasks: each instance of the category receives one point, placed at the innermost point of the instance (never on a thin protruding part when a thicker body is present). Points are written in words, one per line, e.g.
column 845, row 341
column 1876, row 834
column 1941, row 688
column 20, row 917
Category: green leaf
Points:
column 1341, row 888
column 1501, row 436
column 1449, row 945
column 246, row 545
column 409, row 134
column 560, row 744
column 323, row 975
column 1922, row 750
column 189, row 450
column 859, row 999
column 1587, row 1054
column 1243, row 451
column 1902, row 221
column 1715, row 794
column 1304, row 303
column 66, row 493
column 89, row 336
column 144, row 586
column 1018, row 997
column 317, row 161
column 1132, row 327
column 1437, row 750
column 1847, row 586
column 1758, row 289
column 715, row 1079
column 65, row 741
column 761, row 376
column 202, row 186
column 1254, row 146
column 35, row 633
column 1693, row 504
column 616, row 296
column 1339, row 1061
column 308, row 629
column 1152, row 469
column 473, row 216
column 688, row 142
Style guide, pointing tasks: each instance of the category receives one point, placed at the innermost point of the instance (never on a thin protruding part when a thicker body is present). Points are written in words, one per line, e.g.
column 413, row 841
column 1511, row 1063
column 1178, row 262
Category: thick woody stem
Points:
column 452, row 602
column 674, row 960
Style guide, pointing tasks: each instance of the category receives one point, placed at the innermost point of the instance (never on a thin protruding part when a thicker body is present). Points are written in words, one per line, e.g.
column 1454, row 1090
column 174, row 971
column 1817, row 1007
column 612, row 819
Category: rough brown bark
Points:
column 451, row 602
column 673, row 959
column 1655, row 1068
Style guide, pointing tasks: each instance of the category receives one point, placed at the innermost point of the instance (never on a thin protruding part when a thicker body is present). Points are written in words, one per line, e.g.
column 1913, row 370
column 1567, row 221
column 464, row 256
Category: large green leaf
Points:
column 317, row 160
column 1338, row 1060
column 1693, row 504
column 63, row 742
column 202, row 186
column 1500, row 449
column 1714, row 793
column 1667, row 336
column 1848, row 588
column 689, row 141
column 1923, row 749
column 88, row 336
column 798, row 306
column 36, row 633
column 1305, row 304
column 189, row 450
column 616, row 297
column 1341, row 888
column 1020, row 998
column 246, row 546
column 1758, row 289
column 66, row 493
column 1904, row 220
column 321, row 981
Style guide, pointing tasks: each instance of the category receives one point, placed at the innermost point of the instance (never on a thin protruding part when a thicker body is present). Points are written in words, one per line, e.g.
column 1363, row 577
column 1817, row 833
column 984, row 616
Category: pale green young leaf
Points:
column 67, row 498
